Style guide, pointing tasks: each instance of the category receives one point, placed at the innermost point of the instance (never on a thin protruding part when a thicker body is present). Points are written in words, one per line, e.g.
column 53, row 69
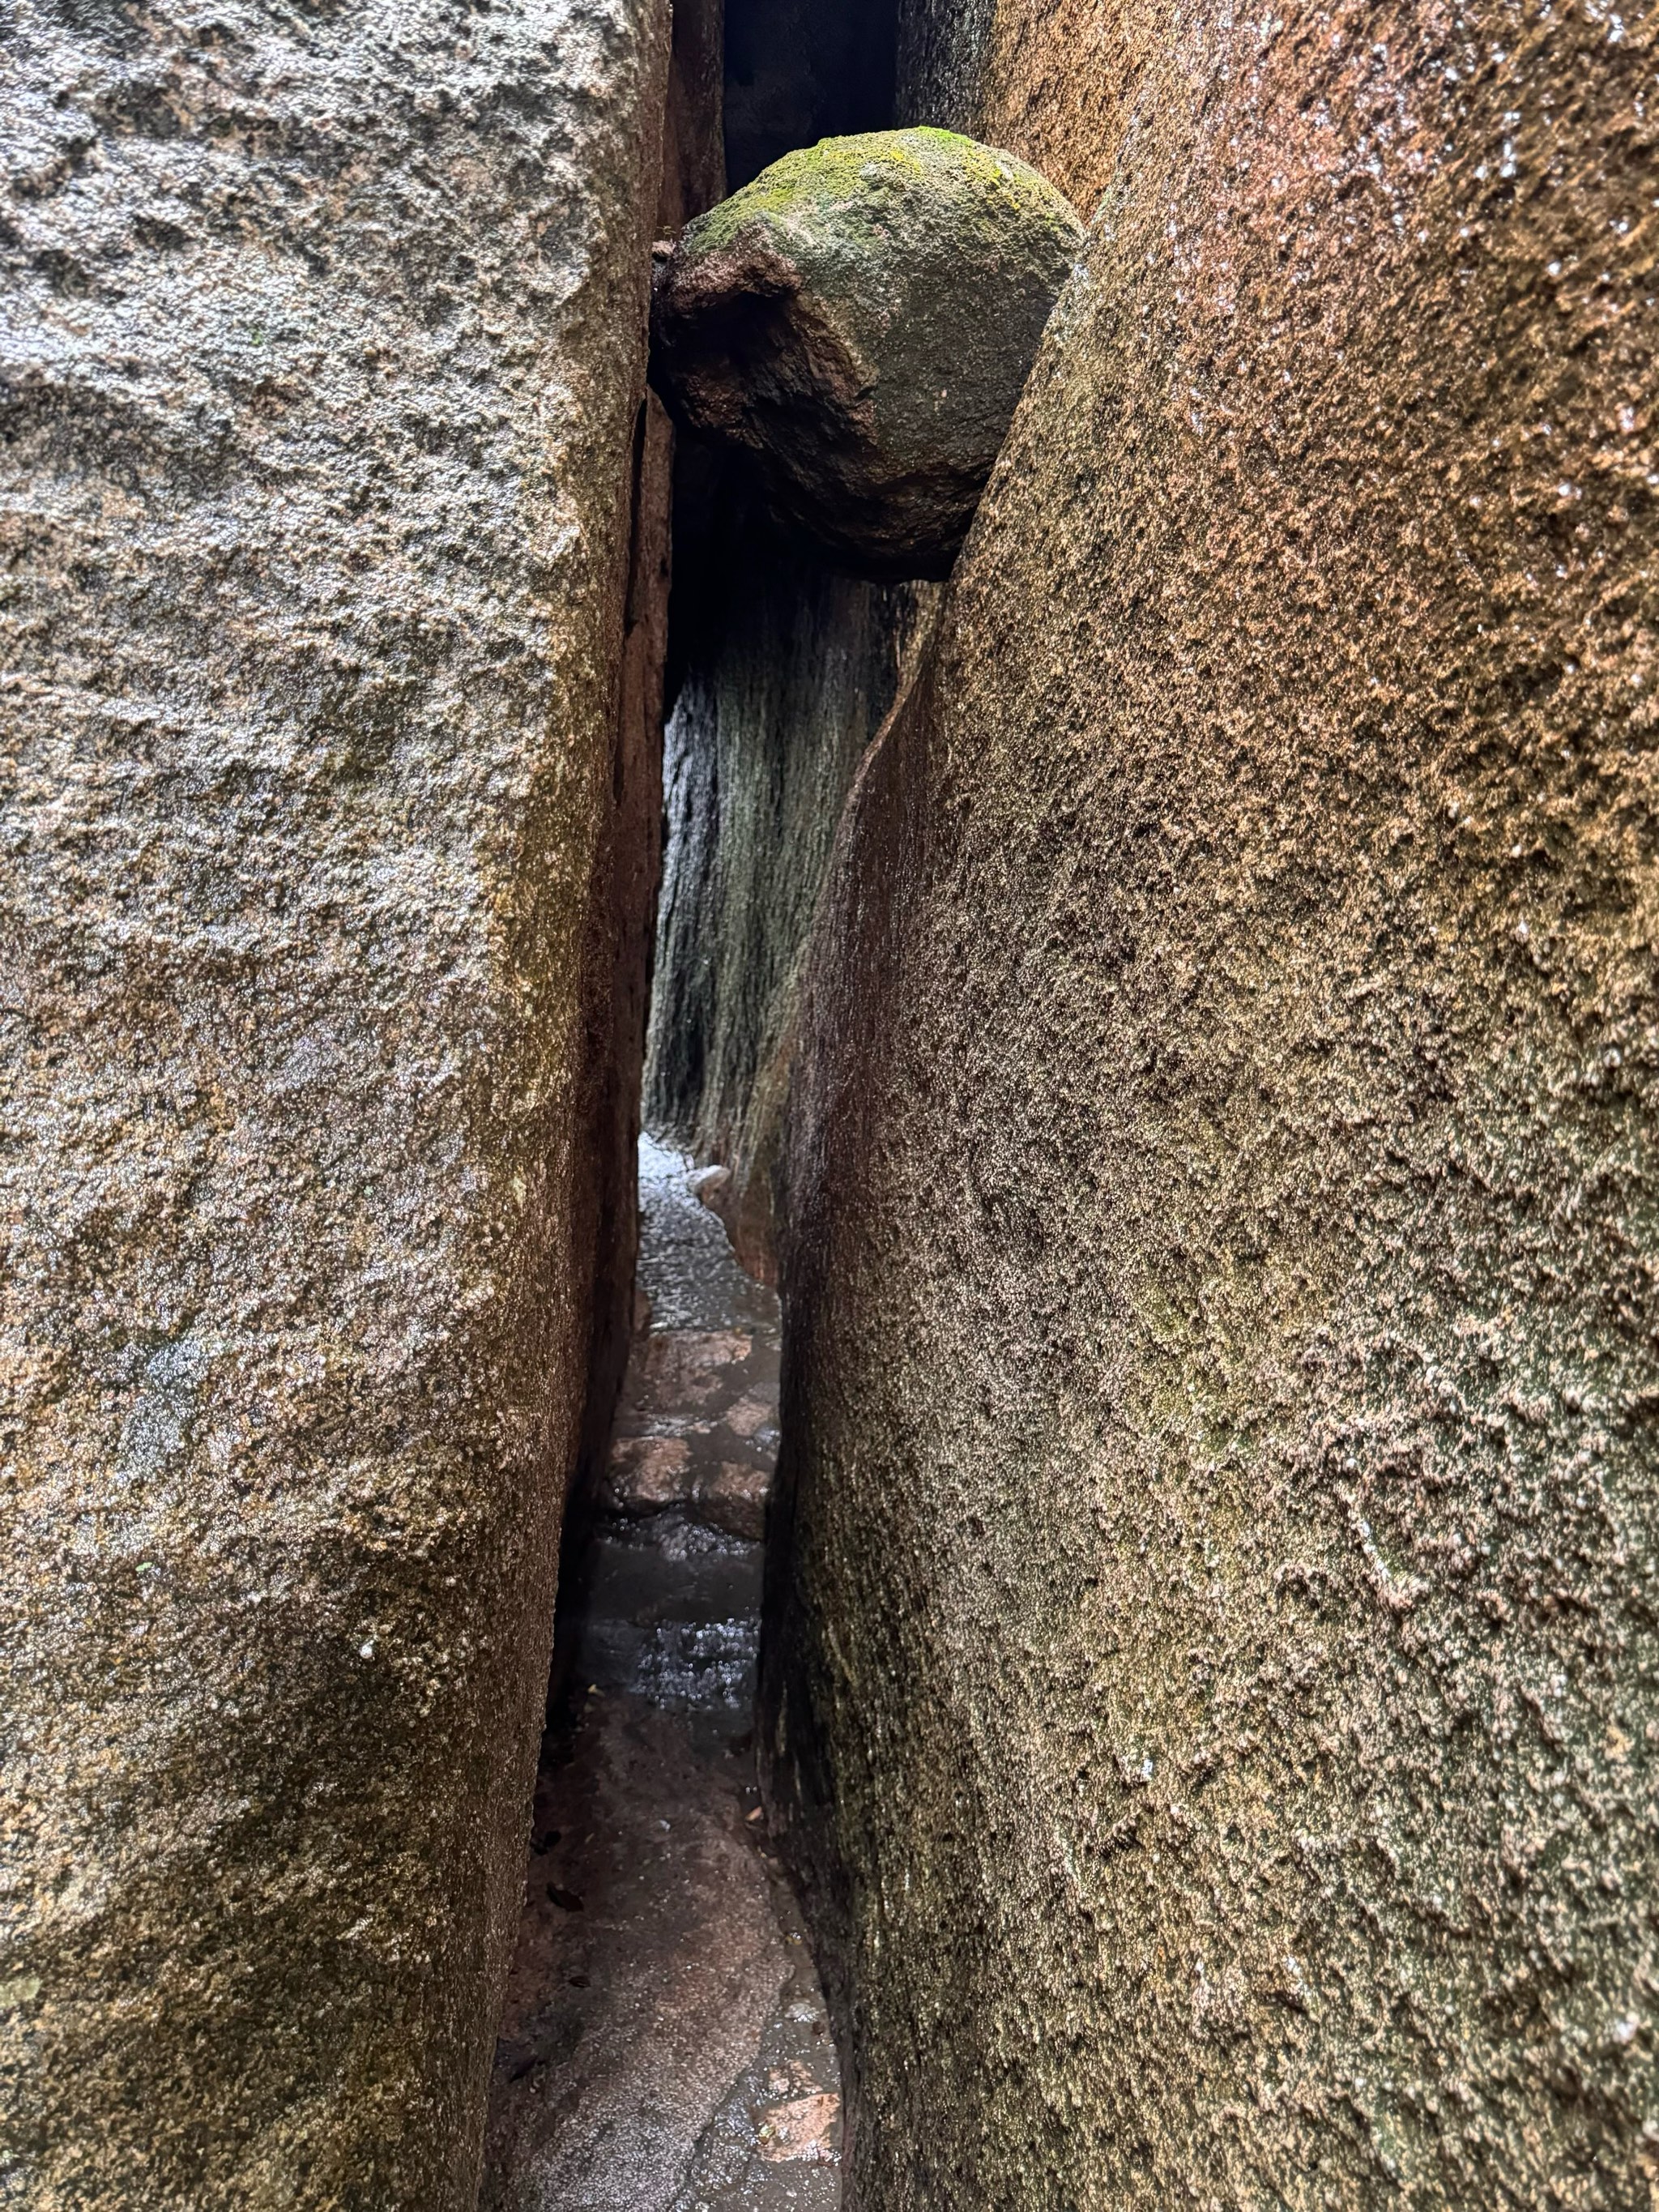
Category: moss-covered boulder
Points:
column 861, row 320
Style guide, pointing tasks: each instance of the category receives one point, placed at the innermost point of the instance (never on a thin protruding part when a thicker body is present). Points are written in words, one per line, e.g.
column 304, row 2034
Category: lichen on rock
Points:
column 861, row 320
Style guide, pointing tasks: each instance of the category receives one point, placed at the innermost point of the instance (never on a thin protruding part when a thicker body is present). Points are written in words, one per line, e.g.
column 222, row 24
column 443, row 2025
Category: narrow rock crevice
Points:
column 1107, row 1654
column 797, row 72
column 663, row 2044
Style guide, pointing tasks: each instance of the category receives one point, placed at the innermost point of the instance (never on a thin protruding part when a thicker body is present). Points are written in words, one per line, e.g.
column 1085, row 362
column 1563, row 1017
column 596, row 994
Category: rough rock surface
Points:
column 322, row 360
column 787, row 669
column 860, row 321
column 1052, row 84
column 1220, row 1378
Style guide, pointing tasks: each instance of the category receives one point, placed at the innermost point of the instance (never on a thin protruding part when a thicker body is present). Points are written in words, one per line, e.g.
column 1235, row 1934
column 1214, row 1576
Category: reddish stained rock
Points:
column 806, row 2129
column 750, row 1413
column 646, row 1473
column 680, row 1370
column 1215, row 1672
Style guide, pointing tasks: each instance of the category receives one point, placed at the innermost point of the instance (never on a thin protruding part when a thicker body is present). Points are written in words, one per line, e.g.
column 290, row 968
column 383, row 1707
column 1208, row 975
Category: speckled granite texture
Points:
column 1220, row 1641
column 1051, row 82
column 322, row 360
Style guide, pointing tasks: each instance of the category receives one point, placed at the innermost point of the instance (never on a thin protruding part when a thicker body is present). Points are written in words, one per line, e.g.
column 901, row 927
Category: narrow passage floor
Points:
column 664, row 2046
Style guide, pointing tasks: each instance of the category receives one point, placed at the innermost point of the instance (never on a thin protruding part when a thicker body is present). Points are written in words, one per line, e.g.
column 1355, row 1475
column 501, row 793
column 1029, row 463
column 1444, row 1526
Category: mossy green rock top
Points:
column 861, row 320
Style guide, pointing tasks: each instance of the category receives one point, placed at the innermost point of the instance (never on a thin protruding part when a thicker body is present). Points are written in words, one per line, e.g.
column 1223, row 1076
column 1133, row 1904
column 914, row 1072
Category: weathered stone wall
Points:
column 1053, row 84
column 788, row 670
column 322, row 363
column 1217, row 1640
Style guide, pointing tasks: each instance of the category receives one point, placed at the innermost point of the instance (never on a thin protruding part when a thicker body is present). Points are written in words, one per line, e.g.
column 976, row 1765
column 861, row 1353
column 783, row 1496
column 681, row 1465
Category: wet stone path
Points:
column 664, row 2046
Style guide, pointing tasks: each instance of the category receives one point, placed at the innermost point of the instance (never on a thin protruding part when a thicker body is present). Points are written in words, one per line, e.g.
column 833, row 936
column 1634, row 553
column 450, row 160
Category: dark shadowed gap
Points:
column 799, row 70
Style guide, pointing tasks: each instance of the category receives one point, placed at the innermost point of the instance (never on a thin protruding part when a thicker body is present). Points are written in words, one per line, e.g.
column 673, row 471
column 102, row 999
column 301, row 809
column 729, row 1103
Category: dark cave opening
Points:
column 798, row 72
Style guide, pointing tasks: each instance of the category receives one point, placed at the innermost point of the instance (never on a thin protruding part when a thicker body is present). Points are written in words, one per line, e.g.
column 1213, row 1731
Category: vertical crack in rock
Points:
column 788, row 670
column 1172, row 1007
column 780, row 671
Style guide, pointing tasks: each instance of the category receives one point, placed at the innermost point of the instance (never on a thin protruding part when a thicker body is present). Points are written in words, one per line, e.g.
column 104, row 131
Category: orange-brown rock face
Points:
column 1054, row 83
column 323, row 358
column 1220, row 1633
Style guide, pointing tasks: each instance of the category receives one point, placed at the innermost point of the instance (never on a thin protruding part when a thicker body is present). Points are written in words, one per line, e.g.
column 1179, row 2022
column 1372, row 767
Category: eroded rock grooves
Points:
column 788, row 670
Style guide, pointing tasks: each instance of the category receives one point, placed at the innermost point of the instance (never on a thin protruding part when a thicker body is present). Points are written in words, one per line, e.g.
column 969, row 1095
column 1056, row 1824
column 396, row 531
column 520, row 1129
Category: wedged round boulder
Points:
column 861, row 320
